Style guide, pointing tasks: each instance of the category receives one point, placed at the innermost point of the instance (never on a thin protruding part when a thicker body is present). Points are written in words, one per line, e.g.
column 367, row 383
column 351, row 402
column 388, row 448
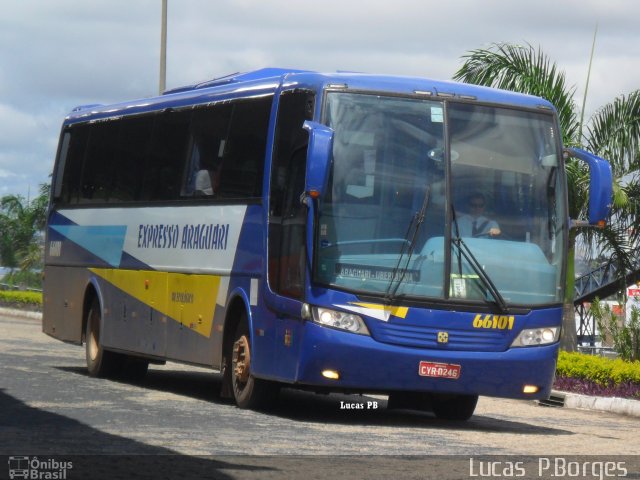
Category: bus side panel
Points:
column 219, row 316
column 198, row 338
column 149, row 308
column 63, row 299
column 288, row 343
column 192, row 335
column 277, row 335
column 162, row 314
column 133, row 324
column 262, row 340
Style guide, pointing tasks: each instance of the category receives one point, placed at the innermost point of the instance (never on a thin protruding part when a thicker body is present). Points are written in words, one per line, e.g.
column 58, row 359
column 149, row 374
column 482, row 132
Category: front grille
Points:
column 427, row 337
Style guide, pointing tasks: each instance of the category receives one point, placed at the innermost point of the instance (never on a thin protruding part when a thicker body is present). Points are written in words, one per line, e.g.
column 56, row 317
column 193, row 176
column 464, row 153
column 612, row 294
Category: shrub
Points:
column 625, row 335
column 20, row 298
column 596, row 375
column 586, row 387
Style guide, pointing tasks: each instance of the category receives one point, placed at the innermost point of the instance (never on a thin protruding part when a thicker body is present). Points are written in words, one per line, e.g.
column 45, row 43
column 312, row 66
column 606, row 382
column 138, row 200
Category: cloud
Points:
column 57, row 55
column 6, row 174
column 18, row 127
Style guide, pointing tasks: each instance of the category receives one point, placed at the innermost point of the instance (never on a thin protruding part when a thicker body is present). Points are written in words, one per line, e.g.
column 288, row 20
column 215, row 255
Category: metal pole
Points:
column 163, row 48
column 586, row 88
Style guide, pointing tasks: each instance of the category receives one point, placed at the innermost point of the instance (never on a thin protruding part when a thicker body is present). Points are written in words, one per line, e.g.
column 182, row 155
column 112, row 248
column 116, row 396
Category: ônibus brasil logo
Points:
column 37, row 469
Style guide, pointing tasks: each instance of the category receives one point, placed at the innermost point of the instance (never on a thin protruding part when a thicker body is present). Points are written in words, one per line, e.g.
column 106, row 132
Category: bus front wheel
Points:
column 100, row 362
column 443, row 406
column 248, row 391
column 454, row 407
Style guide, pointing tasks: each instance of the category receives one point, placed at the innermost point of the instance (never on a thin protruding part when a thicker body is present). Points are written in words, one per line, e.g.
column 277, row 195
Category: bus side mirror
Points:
column 319, row 155
column 600, row 185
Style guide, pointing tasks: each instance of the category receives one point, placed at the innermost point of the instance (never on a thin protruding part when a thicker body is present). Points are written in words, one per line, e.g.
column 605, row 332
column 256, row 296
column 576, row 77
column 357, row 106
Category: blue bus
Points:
column 334, row 232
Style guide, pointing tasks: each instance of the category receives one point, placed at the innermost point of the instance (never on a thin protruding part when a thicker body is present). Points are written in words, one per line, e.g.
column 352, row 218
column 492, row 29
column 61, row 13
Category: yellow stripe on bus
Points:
column 187, row 299
column 395, row 311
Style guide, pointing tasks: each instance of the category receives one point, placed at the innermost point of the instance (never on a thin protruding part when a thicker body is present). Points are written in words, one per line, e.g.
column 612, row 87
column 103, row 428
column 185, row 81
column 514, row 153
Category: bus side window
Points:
column 70, row 167
column 97, row 171
column 287, row 216
column 129, row 162
column 165, row 160
column 63, row 156
column 243, row 152
column 207, row 139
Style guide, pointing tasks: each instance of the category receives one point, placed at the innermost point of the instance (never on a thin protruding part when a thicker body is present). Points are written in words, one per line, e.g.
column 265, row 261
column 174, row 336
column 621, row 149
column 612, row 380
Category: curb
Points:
column 15, row 312
column 621, row 406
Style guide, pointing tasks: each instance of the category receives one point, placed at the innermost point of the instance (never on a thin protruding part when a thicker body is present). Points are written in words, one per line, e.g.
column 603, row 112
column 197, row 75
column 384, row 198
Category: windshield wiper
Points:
column 464, row 251
column 399, row 273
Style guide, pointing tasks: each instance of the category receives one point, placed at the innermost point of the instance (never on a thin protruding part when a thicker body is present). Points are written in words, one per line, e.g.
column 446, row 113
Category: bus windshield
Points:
column 432, row 199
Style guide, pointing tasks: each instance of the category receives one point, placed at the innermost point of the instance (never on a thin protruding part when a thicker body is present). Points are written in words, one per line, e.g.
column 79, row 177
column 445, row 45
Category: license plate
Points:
column 440, row 370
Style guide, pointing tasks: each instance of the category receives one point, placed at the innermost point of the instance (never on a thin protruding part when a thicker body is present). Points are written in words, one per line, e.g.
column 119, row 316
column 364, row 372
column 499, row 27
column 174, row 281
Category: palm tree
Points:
column 21, row 224
column 612, row 133
column 11, row 209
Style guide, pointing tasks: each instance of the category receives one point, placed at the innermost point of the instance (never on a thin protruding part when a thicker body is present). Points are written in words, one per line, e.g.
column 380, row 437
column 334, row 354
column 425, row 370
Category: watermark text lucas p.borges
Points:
column 548, row 467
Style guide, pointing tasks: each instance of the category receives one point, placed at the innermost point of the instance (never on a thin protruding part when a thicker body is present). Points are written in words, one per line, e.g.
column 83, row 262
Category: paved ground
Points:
column 51, row 409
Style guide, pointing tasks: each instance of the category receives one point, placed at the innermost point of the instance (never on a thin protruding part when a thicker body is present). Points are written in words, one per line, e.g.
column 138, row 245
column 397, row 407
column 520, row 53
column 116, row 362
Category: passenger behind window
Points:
column 203, row 183
column 207, row 181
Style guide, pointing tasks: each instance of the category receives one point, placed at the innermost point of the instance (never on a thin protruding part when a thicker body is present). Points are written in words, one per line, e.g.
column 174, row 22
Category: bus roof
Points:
column 267, row 80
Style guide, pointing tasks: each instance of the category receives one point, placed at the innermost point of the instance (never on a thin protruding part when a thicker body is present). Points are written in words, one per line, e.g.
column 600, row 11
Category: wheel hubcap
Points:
column 93, row 342
column 241, row 359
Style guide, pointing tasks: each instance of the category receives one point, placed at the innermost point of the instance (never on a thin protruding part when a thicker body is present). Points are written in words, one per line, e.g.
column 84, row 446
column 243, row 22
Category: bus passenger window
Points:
column 98, row 168
column 207, row 139
column 129, row 160
column 166, row 157
column 244, row 150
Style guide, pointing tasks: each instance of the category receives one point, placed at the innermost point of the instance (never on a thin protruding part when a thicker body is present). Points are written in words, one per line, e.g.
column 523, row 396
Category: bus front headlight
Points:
column 532, row 337
column 340, row 320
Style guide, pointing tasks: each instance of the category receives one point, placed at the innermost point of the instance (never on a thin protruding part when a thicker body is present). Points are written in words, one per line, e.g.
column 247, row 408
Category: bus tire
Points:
column 454, row 407
column 248, row 391
column 100, row 362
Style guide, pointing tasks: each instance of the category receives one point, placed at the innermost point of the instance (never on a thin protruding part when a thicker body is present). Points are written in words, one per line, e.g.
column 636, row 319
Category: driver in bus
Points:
column 474, row 223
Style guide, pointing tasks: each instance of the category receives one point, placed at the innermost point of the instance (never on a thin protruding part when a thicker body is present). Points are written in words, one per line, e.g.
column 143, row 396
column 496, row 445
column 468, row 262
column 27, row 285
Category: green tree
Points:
column 21, row 226
column 612, row 133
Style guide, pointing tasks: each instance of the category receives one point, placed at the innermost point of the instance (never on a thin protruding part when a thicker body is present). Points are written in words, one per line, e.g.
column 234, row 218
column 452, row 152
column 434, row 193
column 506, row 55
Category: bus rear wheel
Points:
column 248, row 391
column 100, row 362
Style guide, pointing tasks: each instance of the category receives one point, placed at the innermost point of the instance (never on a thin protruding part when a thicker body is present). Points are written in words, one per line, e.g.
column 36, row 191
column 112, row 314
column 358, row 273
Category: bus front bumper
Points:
column 359, row 363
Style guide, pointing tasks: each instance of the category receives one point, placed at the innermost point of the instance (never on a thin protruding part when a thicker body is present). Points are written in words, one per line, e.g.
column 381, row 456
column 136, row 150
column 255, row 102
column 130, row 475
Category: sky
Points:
column 55, row 55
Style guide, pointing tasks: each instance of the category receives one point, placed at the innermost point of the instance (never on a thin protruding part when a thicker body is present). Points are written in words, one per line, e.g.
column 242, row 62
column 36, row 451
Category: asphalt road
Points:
column 174, row 422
